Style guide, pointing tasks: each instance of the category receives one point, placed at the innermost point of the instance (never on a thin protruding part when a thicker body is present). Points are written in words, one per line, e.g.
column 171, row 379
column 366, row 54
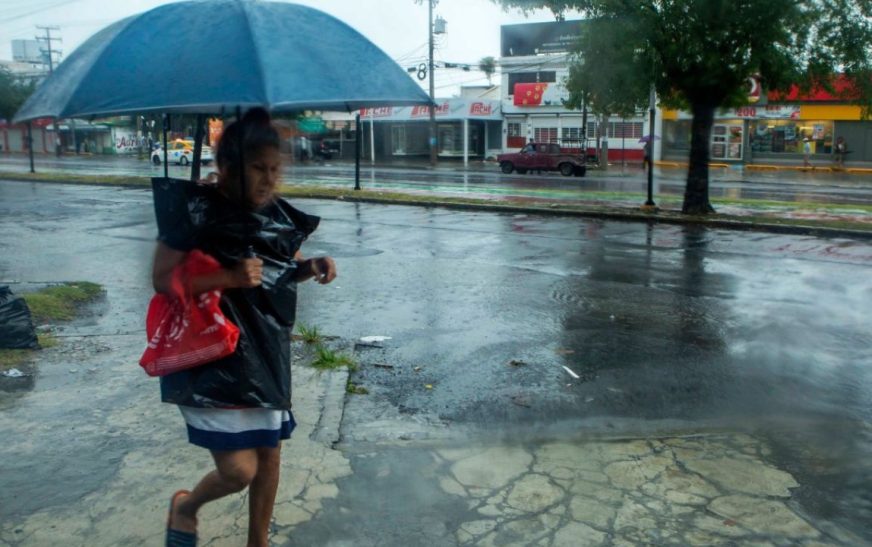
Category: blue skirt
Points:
column 237, row 428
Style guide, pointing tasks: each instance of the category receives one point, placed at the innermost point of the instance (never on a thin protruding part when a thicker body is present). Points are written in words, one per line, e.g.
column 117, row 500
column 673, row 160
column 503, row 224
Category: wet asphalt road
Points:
column 669, row 329
column 487, row 181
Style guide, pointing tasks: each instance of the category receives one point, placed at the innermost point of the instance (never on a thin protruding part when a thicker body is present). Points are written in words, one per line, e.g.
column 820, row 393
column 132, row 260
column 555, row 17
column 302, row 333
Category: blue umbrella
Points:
column 217, row 55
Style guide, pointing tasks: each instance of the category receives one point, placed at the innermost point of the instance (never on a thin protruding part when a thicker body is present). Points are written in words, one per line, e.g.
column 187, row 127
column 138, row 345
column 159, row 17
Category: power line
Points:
column 44, row 7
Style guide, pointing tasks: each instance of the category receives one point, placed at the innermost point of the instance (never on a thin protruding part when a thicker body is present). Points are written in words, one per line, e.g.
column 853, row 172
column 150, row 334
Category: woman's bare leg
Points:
column 262, row 495
column 234, row 470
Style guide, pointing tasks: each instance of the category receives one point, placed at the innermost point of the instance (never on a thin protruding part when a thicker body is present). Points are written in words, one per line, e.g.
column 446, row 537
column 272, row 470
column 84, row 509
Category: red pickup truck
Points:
column 543, row 157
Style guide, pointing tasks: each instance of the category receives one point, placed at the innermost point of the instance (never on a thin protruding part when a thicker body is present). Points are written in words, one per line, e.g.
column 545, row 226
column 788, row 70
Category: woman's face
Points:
column 262, row 172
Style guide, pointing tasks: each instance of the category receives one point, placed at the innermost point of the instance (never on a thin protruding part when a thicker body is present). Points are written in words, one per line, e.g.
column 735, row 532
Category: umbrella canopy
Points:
column 213, row 55
column 646, row 138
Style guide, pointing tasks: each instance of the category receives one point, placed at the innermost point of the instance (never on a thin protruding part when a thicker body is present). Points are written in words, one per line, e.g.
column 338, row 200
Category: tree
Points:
column 600, row 79
column 13, row 93
column 488, row 65
column 700, row 55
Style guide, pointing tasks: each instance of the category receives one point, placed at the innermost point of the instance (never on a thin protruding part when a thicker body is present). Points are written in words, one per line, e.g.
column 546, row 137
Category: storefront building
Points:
column 776, row 132
column 535, row 61
column 465, row 128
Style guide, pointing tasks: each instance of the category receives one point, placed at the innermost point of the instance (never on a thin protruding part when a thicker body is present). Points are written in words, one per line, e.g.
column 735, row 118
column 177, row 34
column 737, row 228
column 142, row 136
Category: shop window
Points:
column 625, row 130
column 727, row 142
column 786, row 136
column 571, row 133
column 514, row 130
column 676, row 135
column 545, row 134
column 591, row 129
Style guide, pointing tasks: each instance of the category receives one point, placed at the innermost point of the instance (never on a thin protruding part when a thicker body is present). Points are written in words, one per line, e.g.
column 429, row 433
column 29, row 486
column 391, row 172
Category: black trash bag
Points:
column 16, row 326
column 258, row 373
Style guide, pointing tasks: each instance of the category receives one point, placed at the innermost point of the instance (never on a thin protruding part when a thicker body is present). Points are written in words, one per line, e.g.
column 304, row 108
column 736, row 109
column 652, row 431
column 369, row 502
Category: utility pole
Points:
column 48, row 39
column 433, row 149
column 650, row 206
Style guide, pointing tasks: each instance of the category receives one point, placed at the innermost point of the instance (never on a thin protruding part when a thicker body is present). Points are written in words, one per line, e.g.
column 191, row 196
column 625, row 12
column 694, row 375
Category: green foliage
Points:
column 700, row 55
column 326, row 358
column 355, row 389
column 59, row 302
column 705, row 50
column 310, row 335
column 13, row 93
column 488, row 65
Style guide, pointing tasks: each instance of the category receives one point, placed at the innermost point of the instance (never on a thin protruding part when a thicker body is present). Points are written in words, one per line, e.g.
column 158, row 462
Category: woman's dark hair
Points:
column 251, row 134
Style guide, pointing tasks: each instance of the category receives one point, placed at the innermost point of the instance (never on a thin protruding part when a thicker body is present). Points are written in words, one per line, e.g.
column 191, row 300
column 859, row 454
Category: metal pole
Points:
column 372, row 136
column 166, row 124
column 433, row 150
column 357, row 143
column 30, row 147
column 199, row 135
column 623, row 142
column 652, row 104
column 75, row 137
column 584, row 127
column 465, row 142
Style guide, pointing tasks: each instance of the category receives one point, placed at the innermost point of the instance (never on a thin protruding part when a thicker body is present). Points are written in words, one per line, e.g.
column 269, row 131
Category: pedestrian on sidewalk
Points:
column 841, row 150
column 646, row 161
column 239, row 407
column 806, row 152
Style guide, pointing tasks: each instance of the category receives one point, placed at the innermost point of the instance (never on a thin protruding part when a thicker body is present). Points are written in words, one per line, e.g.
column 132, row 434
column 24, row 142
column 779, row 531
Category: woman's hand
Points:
column 247, row 274
column 322, row 268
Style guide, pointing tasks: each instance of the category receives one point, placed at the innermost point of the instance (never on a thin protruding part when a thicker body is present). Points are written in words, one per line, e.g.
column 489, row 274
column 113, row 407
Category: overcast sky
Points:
column 399, row 27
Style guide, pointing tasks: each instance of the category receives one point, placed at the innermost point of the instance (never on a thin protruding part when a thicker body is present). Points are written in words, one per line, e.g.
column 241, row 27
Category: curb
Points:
column 772, row 167
column 629, row 215
column 605, row 211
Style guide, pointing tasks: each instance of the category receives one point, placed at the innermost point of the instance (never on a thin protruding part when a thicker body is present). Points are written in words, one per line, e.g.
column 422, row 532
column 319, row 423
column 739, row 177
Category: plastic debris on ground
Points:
column 374, row 339
column 571, row 372
column 13, row 373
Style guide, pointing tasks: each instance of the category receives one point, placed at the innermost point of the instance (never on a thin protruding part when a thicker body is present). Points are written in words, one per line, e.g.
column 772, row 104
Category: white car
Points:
column 181, row 152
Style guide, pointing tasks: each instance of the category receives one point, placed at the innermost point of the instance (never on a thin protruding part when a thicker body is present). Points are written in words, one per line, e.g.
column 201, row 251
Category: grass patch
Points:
column 310, row 335
column 78, row 178
column 326, row 358
column 11, row 358
column 355, row 389
column 46, row 340
column 59, row 302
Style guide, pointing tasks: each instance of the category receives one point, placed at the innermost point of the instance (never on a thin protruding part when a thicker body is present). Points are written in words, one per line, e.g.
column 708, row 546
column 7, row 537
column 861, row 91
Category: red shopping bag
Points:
column 186, row 330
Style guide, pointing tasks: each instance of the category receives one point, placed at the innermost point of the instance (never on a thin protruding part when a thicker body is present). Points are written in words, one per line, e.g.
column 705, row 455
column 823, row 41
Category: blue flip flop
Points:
column 177, row 538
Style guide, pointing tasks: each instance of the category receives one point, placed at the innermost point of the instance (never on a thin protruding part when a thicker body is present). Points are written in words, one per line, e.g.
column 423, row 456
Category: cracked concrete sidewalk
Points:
column 717, row 489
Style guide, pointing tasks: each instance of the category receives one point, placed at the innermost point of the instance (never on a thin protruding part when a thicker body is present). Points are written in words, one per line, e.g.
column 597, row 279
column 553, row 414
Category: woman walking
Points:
column 239, row 407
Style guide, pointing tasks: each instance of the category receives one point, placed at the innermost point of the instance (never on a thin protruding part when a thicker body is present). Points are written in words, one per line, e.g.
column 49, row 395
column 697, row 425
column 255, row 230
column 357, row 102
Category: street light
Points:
column 652, row 105
column 439, row 28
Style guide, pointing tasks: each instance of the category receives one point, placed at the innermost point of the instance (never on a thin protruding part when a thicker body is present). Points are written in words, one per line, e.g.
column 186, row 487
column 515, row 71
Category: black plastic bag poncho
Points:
column 16, row 325
column 258, row 374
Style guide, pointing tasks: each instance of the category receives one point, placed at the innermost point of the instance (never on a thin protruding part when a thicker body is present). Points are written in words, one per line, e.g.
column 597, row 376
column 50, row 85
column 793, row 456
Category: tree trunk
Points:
column 696, row 193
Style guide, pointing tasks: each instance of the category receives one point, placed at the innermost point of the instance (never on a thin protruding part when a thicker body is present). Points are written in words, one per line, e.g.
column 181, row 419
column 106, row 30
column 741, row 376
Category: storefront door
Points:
column 398, row 140
column 727, row 142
